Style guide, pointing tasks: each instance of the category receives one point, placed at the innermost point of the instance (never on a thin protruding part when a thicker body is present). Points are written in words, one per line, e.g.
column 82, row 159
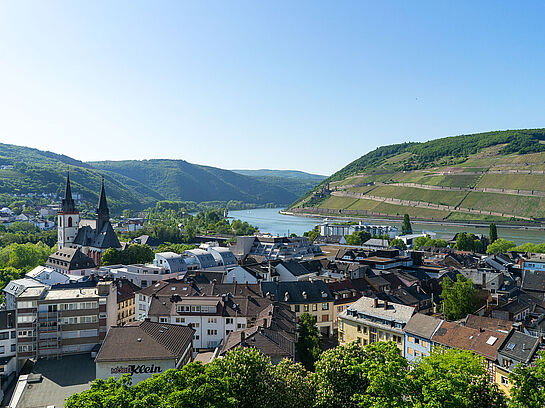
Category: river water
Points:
column 270, row 220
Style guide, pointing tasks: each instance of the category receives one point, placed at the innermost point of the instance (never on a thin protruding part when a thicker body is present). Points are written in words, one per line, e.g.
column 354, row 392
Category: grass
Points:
column 400, row 210
column 456, row 216
column 418, row 194
column 367, row 205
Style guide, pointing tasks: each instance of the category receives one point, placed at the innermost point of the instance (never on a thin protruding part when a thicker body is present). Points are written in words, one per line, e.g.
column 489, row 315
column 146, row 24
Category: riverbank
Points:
column 476, row 224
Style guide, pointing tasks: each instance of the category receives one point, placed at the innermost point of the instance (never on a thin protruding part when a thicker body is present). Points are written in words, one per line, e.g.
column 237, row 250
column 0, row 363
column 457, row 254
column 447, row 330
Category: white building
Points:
column 8, row 346
column 329, row 229
column 139, row 274
column 171, row 261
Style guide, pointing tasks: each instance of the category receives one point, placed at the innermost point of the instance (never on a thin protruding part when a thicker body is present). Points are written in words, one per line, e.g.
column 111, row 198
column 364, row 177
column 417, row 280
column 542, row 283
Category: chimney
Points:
column 375, row 303
column 385, row 305
column 242, row 337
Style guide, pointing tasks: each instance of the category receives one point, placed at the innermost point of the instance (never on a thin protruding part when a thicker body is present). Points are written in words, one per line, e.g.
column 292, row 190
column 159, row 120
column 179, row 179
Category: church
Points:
column 92, row 237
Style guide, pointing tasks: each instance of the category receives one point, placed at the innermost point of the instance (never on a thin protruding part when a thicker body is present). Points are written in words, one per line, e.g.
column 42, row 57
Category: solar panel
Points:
column 510, row 346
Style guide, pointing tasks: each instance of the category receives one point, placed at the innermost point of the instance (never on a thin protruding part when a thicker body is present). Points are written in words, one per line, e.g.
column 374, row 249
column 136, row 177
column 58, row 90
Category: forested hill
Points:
column 180, row 180
column 500, row 173
column 132, row 184
column 297, row 182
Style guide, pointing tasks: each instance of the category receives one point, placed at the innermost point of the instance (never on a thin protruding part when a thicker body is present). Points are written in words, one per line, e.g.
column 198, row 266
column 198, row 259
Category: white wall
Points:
column 104, row 369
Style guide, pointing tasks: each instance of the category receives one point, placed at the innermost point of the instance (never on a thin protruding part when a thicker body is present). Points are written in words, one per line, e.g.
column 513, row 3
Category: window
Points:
column 26, row 304
column 4, row 336
column 339, row 309
column 409, row 351
column 359, row 328
column 196, row 324
column 411, row 339
column 325, row 318
column 196, row 337
column 2, row 349
column 229, row 320
column 325, row 306
column 416, row 340
column 365, row 342
column 180, row 320
column 359, row 340
column 26, row 348
column 364, row 329
column 297, row 308
column 306, row 308
column 241, row 326
column 341, row 325
column 212, row 332
column 387, row 336
column 504, row 380
column 212, row 320
column 416, row 353
column 163, row 320
column 26, row 318
column 424, row 343
column 314, row 307
column 13, row 347
column 380, row 334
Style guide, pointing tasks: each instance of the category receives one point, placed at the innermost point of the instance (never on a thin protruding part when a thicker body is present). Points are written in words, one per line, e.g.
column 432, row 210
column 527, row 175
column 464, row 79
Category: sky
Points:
column 306, row 85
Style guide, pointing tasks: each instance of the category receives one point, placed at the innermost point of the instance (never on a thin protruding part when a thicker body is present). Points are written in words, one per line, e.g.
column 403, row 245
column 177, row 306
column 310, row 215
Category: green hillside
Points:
column 131, row 184
column 180, row 180
column 296, row 182
column 487, row 176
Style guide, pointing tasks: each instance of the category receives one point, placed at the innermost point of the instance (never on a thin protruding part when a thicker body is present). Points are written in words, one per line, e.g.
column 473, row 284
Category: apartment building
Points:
column 52, row 321
column 312, row 297
column 418, row 333
column 275, row 248
column 369, row 320
column 125, row 301
column 142, row 275
column 8, row 346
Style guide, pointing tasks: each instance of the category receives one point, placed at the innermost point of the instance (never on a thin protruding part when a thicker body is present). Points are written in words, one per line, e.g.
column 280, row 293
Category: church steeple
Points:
column 103, row 212
column 68, row 202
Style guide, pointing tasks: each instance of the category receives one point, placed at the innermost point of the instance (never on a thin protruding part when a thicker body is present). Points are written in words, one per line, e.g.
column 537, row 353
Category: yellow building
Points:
column 369, row 320
column 125, row 301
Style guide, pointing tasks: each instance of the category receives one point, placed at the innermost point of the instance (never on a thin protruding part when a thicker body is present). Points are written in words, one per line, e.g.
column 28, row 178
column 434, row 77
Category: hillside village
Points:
column 200, row 304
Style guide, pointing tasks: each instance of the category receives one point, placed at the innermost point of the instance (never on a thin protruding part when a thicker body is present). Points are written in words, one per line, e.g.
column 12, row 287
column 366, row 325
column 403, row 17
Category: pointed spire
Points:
column 103, row 212
column 68, row 202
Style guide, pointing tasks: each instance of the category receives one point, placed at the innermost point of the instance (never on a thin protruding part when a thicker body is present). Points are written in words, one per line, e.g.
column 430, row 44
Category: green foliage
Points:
column 493, row 234
column 308, row 340
column 469, row 242
column 528, row 382
column 454, row 379
column 459, row 298
column 426, row 241
column 23, row 232
column 312, row 234
column 398, row 243
column 500, row 246
column 357, row 238
column 176, row 248
column 529, row 247
column 406, row 227
column 134, row 254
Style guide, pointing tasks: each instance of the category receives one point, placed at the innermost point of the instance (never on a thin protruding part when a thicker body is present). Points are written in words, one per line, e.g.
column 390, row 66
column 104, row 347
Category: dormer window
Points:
column 304, row 295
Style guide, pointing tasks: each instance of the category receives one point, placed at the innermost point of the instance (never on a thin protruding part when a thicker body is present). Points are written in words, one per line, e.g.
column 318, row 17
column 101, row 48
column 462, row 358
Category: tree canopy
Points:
column 500, row 246
column 459, row 298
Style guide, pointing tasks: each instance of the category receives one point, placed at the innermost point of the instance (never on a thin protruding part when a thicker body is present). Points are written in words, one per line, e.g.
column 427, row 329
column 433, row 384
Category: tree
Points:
column 406, row 228
column 528, row 389
column 312, row 234
column 294, row 387
column 336, row 378
column 459, row 299
column 454, row 379
column 357, row 238
column 468, row 242
column 398, row 242
column 308, row 340
column 500, row 246
column 493, row 235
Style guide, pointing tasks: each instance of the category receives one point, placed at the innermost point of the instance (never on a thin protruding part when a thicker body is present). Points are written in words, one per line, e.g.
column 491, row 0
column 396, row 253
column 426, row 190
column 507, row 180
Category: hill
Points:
column 489, row 176
column 130, row 184
column 180, row 180
column 297, row 182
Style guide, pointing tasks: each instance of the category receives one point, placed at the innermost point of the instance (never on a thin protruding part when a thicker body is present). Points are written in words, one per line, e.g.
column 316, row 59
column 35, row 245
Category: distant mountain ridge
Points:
column 295, row 174
column 137, row 184
column 492, row 176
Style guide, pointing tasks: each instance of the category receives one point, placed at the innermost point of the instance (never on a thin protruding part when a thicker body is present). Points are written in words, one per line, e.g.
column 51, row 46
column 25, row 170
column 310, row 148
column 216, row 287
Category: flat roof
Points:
column 71, row 293
column 60, row 379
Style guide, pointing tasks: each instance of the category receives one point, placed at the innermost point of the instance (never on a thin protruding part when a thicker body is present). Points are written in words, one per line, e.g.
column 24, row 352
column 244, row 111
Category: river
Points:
column 270, row 220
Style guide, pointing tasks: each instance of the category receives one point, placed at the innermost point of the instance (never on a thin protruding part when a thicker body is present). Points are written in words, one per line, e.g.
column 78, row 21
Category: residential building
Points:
column 49, row 276
column 200, row 259
column 142, row 275
column 518, row 348
column 53, row 321
column 71, row 261
column 419, row 331
column 345, row 294
column 369, row 320
column 125, row 301
column 273, row 334
column 222, row 255
column 483, row 342
column 328, row 229
column 312, row 297
column 142, row 349
column 292, row 271
column 8, row 346
column 148, row 240
column 171, row 261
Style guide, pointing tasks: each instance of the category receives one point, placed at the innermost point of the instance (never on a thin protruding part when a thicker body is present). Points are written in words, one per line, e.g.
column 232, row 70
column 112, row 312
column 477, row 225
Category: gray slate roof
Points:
column 422, row 325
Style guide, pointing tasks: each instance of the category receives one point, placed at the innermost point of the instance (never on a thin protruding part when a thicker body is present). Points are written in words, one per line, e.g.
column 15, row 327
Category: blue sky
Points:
column 253, row 84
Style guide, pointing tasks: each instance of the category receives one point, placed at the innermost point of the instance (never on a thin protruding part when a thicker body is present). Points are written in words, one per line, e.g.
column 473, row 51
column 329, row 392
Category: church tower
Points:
column 103, row 212
column 67, row 219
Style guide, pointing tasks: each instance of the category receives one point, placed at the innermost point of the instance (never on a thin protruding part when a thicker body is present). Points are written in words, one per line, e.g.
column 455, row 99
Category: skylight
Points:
column 510, row 346
column 491, row 340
